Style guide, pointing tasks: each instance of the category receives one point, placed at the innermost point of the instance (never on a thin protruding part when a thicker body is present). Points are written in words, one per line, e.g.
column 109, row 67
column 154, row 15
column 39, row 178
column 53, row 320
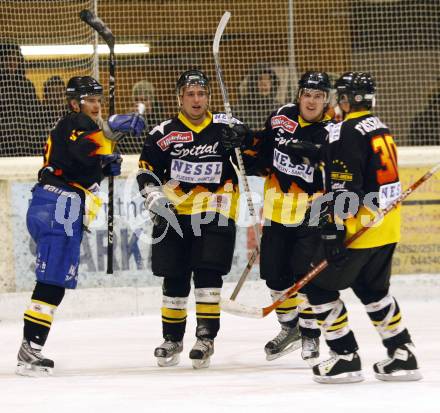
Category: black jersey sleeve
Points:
column 86, row 141
column 153, row 161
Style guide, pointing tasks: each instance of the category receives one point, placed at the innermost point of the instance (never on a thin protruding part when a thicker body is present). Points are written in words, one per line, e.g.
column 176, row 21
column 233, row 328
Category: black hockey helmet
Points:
column 192, row 77
column 315, row 80
column 81, row 86
column 359, row 87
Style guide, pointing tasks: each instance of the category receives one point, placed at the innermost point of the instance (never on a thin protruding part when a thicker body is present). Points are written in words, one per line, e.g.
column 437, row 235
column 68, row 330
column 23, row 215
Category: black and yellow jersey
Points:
column 73, row 151
column 290, row 182
column 362, row 159
column 188, row 160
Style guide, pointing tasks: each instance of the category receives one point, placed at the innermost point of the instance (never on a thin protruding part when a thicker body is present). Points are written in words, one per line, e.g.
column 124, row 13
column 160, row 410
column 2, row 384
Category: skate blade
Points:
column 201, row 364
column 168, row 361
column 28, row 370
column 291, row 347
column 311, row 361
column 351, row 377
column 402, row 375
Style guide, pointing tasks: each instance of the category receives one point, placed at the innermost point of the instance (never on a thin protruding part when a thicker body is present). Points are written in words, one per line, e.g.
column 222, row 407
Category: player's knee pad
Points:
column 288, row 310
column 385, row 316
column 207, row 279
column 177, row 287
column 332, row 319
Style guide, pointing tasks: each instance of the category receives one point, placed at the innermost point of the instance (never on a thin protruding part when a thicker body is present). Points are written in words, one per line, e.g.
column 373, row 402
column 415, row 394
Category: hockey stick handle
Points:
column 100, row 27
column 245, row 273
column 324, row 264
column 242, row 171
column 97, row 24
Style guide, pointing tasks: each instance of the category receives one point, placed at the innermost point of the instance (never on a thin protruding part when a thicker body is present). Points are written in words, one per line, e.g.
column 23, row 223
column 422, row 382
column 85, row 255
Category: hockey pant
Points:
column 207, row 289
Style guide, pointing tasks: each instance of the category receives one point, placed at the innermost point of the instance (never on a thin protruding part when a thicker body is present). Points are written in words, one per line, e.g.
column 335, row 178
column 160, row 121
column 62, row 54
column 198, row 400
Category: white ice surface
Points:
column 107, row 365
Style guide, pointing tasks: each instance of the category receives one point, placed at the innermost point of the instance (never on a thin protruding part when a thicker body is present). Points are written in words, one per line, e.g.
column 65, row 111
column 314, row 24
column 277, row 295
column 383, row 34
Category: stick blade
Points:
column 241, row 310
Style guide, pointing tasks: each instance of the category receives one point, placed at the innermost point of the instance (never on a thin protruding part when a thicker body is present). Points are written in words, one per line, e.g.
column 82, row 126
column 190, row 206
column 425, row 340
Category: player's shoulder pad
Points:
column 82, row 122
column 289, row 107
column 334, row 131
column 223, row 118
column 161, row 127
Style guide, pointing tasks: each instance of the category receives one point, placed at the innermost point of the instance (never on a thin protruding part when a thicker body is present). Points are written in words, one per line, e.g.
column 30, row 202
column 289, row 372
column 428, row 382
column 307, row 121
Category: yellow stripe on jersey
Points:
column 195, row 128
column 93, row 204
column 284, row 208
column 104, row 145
column 387, row 231
column 223, row 201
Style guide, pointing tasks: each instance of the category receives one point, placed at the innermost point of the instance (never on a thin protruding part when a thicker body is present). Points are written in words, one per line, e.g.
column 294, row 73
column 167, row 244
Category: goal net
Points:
column 265, row 47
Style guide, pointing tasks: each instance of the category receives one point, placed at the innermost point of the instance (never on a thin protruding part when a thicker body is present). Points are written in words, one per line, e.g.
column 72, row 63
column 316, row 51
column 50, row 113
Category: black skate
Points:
column 30, row 362
column 168, row 353
column 310, row 350
column 287, row 340
column 201, row 353
column 401, row 366
column 340, row 368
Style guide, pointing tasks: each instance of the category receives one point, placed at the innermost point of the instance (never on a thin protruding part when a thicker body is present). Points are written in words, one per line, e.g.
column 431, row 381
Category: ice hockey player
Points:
column 289, row 148
column 78, row 155
column 362, row 170
column 191, row 192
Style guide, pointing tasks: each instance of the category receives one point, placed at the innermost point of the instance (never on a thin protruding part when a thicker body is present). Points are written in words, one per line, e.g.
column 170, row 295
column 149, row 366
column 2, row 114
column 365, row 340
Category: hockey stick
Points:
column 99, row 26
column 215, row 49
column 257, row 312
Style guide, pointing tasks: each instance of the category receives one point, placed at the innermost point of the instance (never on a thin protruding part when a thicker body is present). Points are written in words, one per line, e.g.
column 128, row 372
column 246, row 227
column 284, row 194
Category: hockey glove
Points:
column 159, row 206
column 111, row 164
column 235, row 136
column 308, row 151
column 119, row 126
column 333, row 241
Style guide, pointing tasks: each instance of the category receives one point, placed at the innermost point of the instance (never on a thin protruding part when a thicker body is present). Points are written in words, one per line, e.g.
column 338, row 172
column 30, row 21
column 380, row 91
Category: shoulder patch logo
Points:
column 175, row 137
column 283, row 122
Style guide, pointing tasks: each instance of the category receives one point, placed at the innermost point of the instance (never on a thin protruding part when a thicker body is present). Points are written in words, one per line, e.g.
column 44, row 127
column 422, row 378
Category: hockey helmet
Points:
column 81, row 86
column 358, row 87
column 192, row 77
column 315, row 80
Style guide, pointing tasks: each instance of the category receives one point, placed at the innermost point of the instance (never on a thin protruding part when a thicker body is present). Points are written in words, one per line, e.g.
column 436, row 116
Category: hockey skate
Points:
column 310, row 350
column 201, row 353
column 340, row 368
column 401, row 366
column 168, row 353
column 30, row 362
column 287, row 340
